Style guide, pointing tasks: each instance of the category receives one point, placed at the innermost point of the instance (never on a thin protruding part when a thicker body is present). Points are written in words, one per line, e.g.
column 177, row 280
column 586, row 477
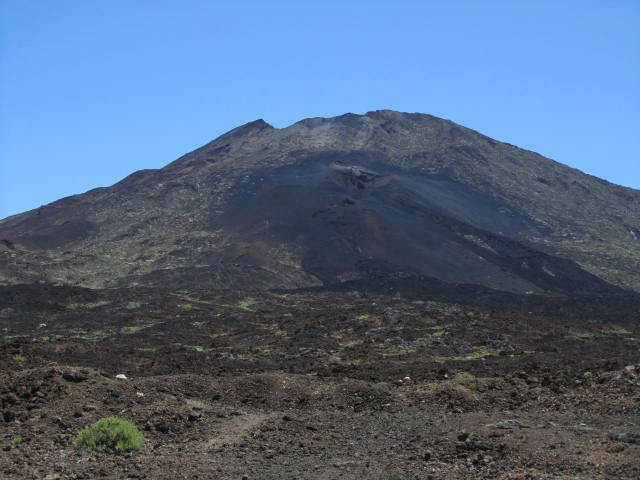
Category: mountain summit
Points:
column 369, row 201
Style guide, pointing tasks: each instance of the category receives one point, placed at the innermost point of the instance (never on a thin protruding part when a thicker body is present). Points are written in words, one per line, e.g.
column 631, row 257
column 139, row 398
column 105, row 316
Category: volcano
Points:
column 373, row 201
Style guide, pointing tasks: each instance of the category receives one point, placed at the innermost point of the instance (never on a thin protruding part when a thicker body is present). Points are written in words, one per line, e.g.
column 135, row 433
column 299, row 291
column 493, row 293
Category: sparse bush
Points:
column 110, row 434
column 468, row 379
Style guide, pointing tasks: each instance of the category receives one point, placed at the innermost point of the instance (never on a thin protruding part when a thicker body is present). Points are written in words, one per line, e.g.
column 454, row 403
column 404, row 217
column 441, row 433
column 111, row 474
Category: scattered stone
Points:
column 194, row 417
column 121, row 376
column 581, row 428
column 615, row 448
column 61, row 423
column 8, row 416
column 11, row 398
column 508, row 424
column 625, row 437
column 74, row 377
column 546, row 424
column 472, row 445
column 162, row 426
column 462, row 436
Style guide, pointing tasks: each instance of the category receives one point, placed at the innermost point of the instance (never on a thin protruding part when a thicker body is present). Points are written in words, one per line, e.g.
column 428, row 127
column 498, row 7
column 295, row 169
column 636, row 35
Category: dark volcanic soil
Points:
column 317, row 385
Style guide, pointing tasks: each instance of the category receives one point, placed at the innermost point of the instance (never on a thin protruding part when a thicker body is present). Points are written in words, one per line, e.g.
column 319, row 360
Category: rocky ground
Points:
column 316, row 385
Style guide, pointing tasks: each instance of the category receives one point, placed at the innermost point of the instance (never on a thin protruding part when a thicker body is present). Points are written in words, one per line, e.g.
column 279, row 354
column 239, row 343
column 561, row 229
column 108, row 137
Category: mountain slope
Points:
column 326, row 201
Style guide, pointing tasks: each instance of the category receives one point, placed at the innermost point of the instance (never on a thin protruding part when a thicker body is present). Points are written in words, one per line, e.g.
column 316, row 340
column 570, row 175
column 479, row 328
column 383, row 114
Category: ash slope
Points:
column 339, row 201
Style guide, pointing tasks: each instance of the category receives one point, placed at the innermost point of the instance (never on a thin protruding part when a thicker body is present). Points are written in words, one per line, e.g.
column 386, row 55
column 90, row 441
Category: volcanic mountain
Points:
column 356, row 200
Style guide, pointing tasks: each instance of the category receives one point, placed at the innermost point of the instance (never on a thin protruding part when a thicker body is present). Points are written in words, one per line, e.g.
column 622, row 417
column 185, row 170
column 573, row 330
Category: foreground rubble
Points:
column 315, row 385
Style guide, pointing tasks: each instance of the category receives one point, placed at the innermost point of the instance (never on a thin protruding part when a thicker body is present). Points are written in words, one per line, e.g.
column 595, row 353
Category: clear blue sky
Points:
column 92, row 90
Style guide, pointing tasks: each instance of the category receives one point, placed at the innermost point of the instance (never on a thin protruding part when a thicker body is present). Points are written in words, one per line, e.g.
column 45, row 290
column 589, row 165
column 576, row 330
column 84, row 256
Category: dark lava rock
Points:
column 61, row 423
column 625, row 437
column 194, row 417
column 74, row 377
column 162, row 426
column 472, row 445
column 510, row 424
column 10, row 398
column 8, row 416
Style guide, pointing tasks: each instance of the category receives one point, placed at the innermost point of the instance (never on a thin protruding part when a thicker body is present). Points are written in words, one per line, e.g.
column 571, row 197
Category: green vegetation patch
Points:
column 19, row 358
column 437, row 331
column 110, row 434
column 580, row 335
column 264, row 351
column 135, row 328
column 90, row 335
column 467, row 379
column 399, row 350
column 464, row 376
column 351, row 344
column 76, row 306
column 246, row 304
column 478, row 352
column 335, row 358
column 615, row 330
column 147, row 349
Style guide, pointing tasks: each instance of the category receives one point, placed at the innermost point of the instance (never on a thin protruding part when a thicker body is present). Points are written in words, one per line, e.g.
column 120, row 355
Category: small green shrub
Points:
column 17, row 440
column 110, row 434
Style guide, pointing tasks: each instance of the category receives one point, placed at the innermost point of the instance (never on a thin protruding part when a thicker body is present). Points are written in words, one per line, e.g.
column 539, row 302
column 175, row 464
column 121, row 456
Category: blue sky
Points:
column 92, row 91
